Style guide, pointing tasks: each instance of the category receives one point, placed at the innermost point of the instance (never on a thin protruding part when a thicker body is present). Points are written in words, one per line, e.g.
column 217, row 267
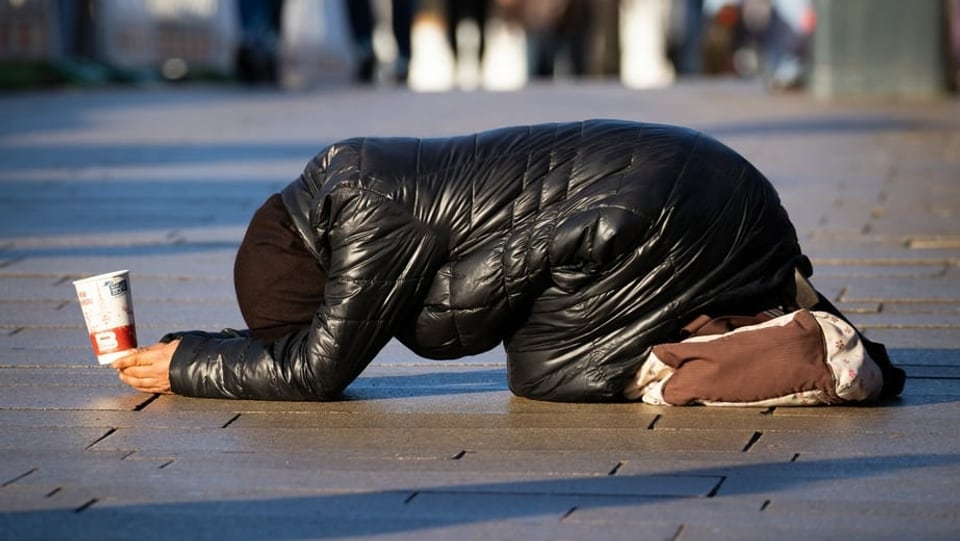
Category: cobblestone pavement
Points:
column 162, row 181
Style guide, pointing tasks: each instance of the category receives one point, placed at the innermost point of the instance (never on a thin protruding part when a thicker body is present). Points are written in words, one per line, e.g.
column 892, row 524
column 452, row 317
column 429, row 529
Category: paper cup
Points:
column 108, row 310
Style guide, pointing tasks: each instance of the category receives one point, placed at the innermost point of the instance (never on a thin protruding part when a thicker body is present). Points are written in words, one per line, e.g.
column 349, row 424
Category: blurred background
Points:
column 829, row 47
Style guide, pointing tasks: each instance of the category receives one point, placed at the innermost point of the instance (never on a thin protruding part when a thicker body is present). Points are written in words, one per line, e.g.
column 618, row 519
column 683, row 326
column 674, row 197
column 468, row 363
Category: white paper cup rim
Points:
column 101, row 276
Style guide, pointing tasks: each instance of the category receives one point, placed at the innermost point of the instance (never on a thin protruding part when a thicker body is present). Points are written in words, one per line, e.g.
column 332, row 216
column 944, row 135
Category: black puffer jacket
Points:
column 577, row 245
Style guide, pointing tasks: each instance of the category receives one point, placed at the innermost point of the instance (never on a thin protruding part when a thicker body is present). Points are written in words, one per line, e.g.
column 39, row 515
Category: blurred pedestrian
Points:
column 458, row 11
column 556, row 31
column 687, row 46
column 257, row 52
column 603, row 39
column 953, row 24
column 786, row 53
column 362, row 20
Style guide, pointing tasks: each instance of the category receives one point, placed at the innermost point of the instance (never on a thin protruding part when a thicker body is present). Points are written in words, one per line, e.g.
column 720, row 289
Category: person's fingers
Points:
column 154, row 387
column 129, row 379
column 140, row 371
column 140, row 356
column 145, row 384
column 126, row 361
column 133, row 382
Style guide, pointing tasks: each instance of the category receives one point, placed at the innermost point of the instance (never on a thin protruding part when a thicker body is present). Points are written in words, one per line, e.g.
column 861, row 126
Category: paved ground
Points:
column 162, row 182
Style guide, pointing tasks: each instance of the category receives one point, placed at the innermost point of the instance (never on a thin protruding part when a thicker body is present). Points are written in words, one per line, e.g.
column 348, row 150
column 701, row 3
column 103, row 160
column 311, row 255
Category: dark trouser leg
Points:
column 360, row 17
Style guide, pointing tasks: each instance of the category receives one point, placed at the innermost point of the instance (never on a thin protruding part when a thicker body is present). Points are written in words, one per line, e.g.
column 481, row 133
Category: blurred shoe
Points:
column 788, row 75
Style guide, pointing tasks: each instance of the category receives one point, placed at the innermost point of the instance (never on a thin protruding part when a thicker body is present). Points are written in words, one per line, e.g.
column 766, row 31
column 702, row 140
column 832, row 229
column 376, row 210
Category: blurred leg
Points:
column 403, row 12
column 360, row 17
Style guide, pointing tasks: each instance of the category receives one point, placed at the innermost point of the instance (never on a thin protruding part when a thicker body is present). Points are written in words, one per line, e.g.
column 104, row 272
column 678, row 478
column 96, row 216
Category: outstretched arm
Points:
column 381, row 263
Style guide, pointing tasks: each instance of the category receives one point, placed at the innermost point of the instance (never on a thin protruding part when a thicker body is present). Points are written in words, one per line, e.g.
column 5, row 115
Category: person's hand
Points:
column 147, row 369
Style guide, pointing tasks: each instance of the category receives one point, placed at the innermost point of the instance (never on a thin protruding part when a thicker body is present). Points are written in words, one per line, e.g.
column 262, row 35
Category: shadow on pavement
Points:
column 427, row 384
column 408, row 511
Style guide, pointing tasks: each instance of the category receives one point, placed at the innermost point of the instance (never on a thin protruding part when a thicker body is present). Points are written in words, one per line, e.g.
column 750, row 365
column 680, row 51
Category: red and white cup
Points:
column 108, row 310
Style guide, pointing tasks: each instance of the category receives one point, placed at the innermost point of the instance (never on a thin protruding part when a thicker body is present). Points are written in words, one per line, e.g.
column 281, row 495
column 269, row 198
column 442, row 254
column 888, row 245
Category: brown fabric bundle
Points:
column 747, row 366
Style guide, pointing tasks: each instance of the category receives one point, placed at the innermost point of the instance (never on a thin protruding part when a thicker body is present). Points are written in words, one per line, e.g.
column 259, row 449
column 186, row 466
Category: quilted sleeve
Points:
column 381, row 261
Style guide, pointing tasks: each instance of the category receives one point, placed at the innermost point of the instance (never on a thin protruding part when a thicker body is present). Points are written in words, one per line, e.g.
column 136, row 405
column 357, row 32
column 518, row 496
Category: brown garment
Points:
column 279, row 283
column 747, row 366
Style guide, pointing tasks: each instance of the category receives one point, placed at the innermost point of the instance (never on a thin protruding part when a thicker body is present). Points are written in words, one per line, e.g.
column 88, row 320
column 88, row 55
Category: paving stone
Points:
column 885, row 513
column 849, row 420
column 40, row 356
column 841, row 532
column 92, row 397
column 39, row 313
column 830, row 249
column 113, row 418
column 916, row 337
column 136, row 205
column 69, row 337
column 21, row 467
column 909, row 405
column 753, row 517
column 902, row 289
column 56, row 337
column 210, row 477
column 94, row 472
column 682, row 511
column 407, row 402
column 946, row 318
column 934, row 387
column 68, row 240
column 851, row 309
column 838, row 530
column 16, row 499
column 812, row 468
column 902, row 442
column 904, row 415
column 932, row 372
column 537, row 464
column 155, row 315
column 117, row 479
column 29, row 439
column 54, row 377
column 441, row 420
column 554, row 463
column 453, row 440
column 938, row 484
column 934, row 270
column 486, row 506
column 944, row 309
column 168, row 260
column 924, row 356
column 245, row 521
column 32, row 288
